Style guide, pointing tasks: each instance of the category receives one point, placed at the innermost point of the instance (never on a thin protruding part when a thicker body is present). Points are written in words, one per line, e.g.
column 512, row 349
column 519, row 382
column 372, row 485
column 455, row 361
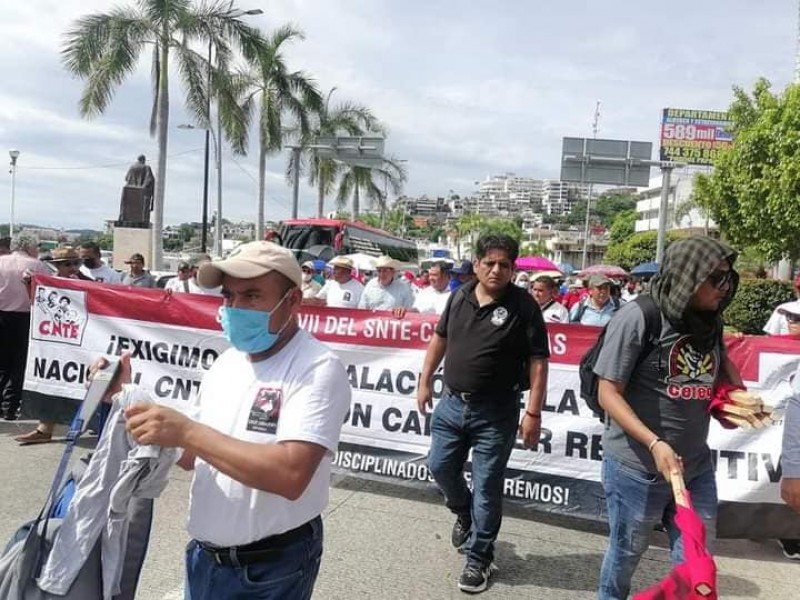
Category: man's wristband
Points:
column 533, row 415
column 652, row 444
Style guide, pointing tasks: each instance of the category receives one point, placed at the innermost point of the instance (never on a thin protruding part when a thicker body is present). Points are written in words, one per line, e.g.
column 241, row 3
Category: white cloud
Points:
column 466, row 89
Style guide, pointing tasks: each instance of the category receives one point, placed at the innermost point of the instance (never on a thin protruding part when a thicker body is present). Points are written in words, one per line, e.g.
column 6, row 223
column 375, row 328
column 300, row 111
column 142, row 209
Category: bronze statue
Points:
column 137, row 195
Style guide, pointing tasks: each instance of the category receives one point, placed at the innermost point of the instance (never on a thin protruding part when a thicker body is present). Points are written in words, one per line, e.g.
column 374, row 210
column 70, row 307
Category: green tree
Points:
column 538, row 248
column 466, row 225
column 637, row 249
column 622, row 227
column 104, row 49
column 344, row 119
column 501, row 227
column 754, row 189
column 279, row 100
column 612, row 204
column 373, row 182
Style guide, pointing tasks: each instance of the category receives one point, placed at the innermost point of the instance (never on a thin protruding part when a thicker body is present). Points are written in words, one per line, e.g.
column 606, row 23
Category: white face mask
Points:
column 522, row 284
column 306, row 277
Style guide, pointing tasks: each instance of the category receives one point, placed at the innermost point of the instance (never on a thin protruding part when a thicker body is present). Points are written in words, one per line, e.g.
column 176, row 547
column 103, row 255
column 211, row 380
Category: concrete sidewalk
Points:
column 391, row 543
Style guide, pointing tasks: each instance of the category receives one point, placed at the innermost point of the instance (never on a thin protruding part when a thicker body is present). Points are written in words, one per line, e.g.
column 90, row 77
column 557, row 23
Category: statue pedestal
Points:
column 129, row 240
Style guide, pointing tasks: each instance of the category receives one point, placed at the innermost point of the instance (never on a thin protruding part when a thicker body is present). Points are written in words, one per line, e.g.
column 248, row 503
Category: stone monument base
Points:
column 130, row 240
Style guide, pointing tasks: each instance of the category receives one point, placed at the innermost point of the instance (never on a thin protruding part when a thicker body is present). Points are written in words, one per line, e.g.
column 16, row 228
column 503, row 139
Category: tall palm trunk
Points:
column 320, row 196
column 356, row 203
column 162, row 126
column 262, row 191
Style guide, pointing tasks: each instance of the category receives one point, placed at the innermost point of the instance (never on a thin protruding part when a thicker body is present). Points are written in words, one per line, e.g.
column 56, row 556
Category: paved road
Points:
column 389, row 543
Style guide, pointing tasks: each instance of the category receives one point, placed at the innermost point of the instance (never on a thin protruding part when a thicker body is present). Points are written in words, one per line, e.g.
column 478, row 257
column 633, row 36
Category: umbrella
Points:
column 536, row 263
column 696, row 576
column 612, row 271
column 644, row 269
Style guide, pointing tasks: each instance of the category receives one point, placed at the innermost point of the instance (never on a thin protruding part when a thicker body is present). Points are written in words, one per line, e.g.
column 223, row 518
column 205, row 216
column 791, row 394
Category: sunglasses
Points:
column 792, row 317
column 68, row 263
column 720, row 279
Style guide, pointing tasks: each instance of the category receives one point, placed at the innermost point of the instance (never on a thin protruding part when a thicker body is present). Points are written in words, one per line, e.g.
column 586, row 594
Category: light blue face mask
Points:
column 248, row 330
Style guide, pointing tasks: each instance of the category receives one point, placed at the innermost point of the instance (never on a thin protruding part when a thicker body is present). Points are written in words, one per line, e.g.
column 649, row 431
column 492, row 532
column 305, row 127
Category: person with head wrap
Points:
column 658, row 405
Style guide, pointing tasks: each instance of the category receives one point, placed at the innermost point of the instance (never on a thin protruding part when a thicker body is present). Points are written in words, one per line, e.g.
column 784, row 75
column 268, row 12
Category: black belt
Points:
column 468, row 397
column 264, row 550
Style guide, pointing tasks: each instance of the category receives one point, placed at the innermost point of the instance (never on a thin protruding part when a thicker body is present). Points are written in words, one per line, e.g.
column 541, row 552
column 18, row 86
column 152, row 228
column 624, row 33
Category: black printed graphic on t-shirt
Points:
column 265, row 411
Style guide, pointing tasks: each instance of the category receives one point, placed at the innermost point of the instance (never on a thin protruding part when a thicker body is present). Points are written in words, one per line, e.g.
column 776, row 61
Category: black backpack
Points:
column 652, row 330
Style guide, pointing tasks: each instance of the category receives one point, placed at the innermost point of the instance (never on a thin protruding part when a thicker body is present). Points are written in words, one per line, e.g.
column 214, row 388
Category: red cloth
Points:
column 721, row 398
column 697, row 567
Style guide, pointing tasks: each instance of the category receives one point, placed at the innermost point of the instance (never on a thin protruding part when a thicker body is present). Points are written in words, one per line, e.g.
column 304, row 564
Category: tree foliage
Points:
column 635, row 250
column 622, row 227
column 754, row 189
column 754, row 302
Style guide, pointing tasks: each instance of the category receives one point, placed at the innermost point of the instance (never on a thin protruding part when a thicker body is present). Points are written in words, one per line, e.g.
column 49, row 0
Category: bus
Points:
column 312, row 239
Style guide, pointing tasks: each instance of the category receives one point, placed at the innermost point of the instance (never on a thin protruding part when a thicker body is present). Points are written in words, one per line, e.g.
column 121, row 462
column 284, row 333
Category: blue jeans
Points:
column 489, row 427
column 636, row 502
column 289, row 577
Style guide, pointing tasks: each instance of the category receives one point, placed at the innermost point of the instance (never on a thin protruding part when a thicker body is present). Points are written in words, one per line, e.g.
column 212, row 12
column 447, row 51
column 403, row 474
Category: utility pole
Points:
column 584, row 259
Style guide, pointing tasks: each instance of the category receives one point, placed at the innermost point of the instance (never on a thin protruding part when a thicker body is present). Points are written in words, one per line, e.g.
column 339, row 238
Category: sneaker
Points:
column 475, row 578
column 460, row 533
column 791, row 548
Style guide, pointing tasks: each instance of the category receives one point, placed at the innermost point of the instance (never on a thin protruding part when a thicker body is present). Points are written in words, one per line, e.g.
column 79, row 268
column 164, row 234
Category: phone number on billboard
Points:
column 697, row 156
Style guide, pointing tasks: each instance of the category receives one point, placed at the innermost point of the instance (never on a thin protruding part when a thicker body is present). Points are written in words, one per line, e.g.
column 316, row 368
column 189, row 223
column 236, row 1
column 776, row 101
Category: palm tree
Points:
column 283, row 101
column 104, row 48
column 391, row 173
column 346, row 118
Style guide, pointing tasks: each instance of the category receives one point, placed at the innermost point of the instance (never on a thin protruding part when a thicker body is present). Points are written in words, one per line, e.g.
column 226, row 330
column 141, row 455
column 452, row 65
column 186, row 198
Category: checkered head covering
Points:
column 687, row 264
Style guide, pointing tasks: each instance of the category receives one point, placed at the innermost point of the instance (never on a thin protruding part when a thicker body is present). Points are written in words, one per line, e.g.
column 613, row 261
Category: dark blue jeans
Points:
column 290, row 577
column 637, row 501
column 489, row 427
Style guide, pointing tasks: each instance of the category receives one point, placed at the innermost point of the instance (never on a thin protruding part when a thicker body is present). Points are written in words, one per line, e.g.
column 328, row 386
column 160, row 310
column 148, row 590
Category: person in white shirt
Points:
column 341, row 290
column 785, row 319
column 544, row 290
column 183, row 282
column 631, row 291
column 270, row 414
column 94, row 267
column 433, row 299
column 310, row 288
column 386, row 292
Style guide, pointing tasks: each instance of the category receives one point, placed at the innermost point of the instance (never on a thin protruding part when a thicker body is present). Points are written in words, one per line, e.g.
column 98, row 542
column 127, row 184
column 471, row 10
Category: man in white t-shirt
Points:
column 433, row 298
column 386, row 292
column 94, row 267
column 310, row 287
column 785, row 319
column 341, row 290
column 270, row 413
column 544, row 290
column 182, row 283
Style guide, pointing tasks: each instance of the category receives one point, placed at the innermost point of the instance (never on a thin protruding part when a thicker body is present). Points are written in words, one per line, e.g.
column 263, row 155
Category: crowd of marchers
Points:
column 271, row 408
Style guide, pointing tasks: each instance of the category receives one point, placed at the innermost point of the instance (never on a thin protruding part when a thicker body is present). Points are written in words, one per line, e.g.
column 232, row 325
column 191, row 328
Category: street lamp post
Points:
column 204, row 234
column 14, row 154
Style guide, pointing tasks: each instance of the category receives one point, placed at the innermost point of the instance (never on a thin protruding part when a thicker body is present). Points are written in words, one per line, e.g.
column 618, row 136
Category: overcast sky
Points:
column 467, row 90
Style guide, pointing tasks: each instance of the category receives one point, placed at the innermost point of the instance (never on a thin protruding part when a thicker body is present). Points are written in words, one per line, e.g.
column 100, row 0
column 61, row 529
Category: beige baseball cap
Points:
column 386, row 262
column 341, row 261
column 251, row 260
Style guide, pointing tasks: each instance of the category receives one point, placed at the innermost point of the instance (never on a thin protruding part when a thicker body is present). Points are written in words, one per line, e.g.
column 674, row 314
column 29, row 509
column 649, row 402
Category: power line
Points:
column 103, row 166
column 281, row 202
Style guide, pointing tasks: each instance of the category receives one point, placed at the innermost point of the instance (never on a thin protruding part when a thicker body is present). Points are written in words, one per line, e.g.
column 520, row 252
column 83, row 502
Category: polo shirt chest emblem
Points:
column 499, row 316
column 265, row 410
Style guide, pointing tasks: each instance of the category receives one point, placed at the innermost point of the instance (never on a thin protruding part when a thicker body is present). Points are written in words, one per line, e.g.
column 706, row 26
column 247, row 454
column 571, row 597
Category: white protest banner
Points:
column 175, row 338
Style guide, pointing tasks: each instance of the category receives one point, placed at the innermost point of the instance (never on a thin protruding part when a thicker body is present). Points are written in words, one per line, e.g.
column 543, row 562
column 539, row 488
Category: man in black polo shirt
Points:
column 494, row 344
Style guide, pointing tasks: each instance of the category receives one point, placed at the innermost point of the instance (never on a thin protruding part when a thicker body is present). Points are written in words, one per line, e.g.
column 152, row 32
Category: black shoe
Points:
column 791, row 548
column 475, row 578
column 11, row 415
column 460, row 533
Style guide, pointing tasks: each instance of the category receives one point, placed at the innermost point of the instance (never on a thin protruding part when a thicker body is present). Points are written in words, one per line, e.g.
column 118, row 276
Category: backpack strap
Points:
column 652, row 326
column 580, row 311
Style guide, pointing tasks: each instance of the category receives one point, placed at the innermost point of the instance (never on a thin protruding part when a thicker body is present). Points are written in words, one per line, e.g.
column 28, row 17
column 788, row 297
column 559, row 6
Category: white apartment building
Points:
column 680, row 191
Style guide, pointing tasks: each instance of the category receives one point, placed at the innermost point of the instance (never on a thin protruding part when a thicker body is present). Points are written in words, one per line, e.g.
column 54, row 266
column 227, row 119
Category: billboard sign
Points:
column 610, row 162
column 694, row 137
